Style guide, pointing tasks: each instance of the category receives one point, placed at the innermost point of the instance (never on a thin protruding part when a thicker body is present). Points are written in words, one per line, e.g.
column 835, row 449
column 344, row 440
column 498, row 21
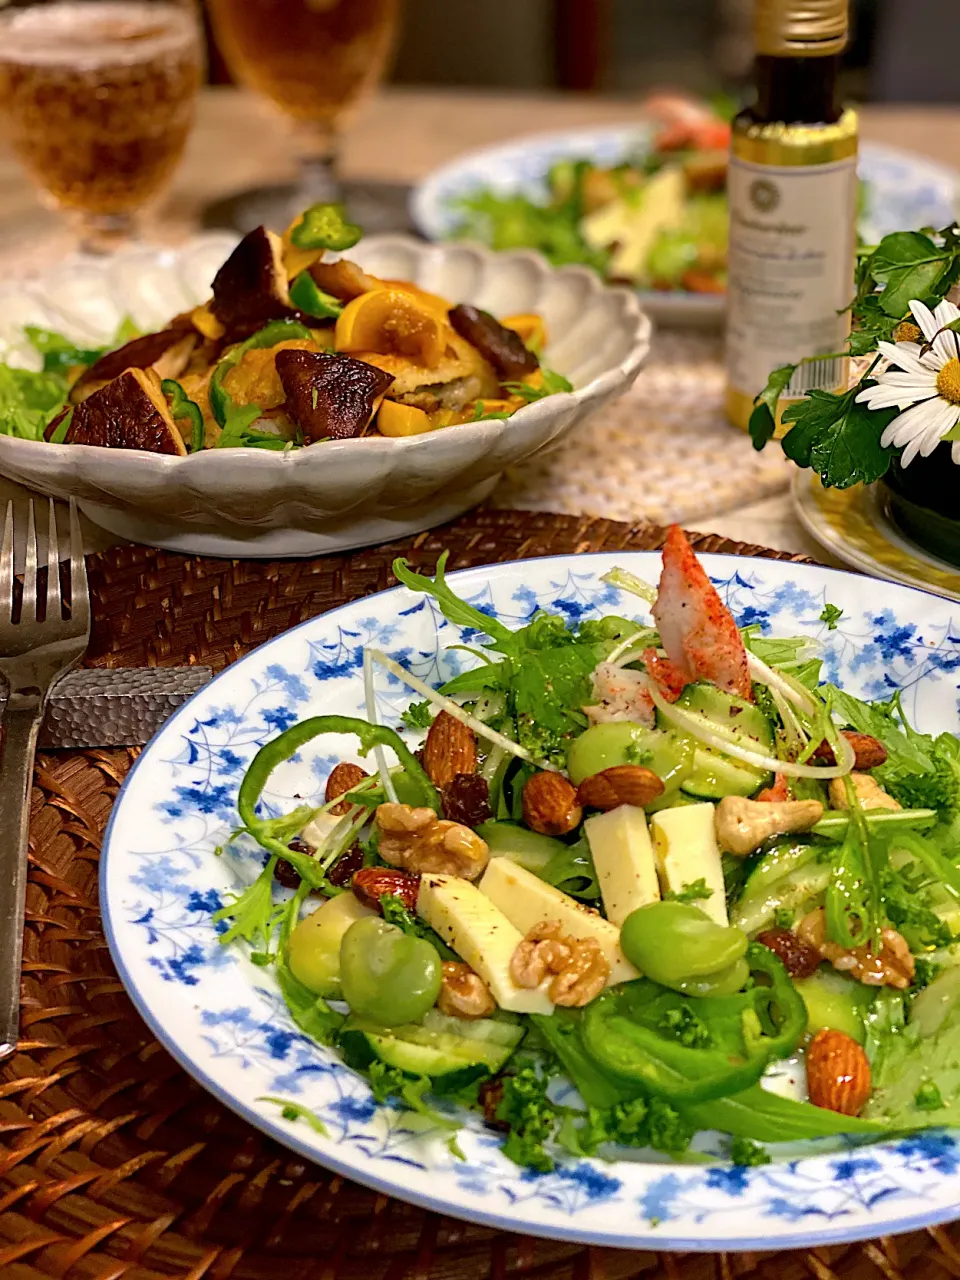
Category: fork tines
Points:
column 76, row 610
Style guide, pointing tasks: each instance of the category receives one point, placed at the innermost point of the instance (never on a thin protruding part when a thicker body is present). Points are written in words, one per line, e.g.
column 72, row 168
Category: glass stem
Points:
column 319, row 181
column 104, row 233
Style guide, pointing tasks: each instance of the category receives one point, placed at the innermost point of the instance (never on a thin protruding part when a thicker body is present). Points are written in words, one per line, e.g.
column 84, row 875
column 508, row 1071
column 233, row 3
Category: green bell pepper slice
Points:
column 281, row 748
column 307, row 296
column 221, row 402
column 689, row 1050
column 324, row 226
column 183, row 407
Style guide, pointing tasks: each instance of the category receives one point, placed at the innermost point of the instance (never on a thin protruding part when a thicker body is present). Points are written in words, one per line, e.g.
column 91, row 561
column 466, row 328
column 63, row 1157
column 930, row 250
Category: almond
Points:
column 550, row 804
column 343, row 778
column 450, row 748
column 369, row 885
column 838, row 1073
column 621, row 784
column 869, row 752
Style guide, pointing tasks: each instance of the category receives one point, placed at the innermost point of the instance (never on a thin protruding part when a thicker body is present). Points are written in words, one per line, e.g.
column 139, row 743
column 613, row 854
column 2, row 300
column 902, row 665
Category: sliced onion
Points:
column 454, row 709
column 790, row 689
column 712, row 737
column 370, row 698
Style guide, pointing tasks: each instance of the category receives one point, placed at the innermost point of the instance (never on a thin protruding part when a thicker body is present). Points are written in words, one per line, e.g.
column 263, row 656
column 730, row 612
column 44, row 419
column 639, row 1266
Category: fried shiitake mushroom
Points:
column 130, row 412
column 250, row 289
column 331, row 395
column 502, row 347
column 168, row 352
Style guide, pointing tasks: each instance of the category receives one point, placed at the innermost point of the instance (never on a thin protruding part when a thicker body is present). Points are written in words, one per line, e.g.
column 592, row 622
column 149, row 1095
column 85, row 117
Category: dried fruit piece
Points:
column 343, row 778
column 620, row 784
column 869, row 752
column 371, row 883
column 799, row 959
column 550, row 804
column 467, row 800
column 450, row 748
column 346, row 866
column 838, row 1073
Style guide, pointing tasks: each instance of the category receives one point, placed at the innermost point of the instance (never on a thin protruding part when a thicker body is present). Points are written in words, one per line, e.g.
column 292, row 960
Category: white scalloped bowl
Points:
column 347, row 493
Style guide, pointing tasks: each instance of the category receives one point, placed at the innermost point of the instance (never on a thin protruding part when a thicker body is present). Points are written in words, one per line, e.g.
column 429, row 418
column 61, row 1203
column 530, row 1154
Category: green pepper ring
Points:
column 181, row 406
column 269, row 336
column 680, row 1074
column 274, row 752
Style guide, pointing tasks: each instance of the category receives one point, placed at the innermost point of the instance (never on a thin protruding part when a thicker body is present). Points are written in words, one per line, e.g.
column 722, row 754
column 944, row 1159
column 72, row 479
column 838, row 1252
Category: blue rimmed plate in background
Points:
column 903, row 191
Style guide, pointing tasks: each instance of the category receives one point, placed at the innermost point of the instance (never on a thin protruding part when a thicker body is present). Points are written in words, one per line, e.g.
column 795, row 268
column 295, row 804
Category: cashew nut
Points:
column 743, row 825
column 868, row 790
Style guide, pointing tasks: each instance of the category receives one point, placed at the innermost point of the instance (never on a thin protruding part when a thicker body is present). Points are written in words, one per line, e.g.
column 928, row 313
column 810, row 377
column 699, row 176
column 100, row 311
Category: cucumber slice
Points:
column 795, row 891
column 728, row 711
column 496, row 1031
column 714, row 774
column 448, row 1072
column 528, row 849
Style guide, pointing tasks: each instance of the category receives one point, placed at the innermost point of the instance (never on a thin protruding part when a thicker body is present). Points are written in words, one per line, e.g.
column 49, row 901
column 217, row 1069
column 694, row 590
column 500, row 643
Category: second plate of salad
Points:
column 611, row 898
column 645, row 203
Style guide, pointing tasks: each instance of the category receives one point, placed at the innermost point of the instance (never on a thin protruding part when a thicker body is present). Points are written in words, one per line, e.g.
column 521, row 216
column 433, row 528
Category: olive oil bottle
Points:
column 793, row 197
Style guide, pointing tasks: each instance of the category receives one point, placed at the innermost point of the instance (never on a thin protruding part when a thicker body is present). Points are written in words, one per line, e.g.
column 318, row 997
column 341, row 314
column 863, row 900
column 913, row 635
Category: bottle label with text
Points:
column 792, row 240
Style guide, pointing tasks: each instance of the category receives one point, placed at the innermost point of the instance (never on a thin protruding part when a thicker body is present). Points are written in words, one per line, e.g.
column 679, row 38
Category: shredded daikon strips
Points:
column 630, row 582
column 713, row 736
column 454, row 709
column 370, row 697
column 341, row 838
column 789, row 688
column 796, row 739
column 621, row 655
column 492, row 763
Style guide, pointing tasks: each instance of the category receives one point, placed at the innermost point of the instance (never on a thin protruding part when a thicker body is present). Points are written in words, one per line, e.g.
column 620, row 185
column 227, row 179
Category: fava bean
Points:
column 603, row 746
column 386, row 975
column 679, row 946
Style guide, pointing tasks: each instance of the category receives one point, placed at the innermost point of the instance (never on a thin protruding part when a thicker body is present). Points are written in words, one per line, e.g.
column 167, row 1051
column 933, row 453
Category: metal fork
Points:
column 34, row 654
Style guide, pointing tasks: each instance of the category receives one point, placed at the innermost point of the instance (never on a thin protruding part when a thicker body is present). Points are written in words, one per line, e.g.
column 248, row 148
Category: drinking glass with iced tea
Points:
column 97, row 98
column 315, row 60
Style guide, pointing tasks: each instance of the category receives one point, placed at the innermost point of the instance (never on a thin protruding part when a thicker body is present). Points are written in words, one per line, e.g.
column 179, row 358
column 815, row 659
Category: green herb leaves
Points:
column 838, row 438
column 763, row 420
column 909, row 265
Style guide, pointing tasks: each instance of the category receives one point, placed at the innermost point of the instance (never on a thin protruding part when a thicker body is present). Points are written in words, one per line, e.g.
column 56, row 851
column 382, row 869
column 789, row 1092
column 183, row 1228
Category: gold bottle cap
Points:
column 800, row 28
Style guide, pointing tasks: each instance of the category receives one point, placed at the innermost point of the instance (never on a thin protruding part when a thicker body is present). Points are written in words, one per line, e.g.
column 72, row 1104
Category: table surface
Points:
column 400, row 136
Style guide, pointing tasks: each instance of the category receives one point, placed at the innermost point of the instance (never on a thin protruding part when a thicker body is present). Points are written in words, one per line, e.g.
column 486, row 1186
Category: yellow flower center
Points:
column 948, row 381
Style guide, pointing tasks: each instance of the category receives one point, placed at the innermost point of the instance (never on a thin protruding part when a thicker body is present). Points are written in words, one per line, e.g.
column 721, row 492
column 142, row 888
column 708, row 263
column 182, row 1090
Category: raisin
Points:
column 491, row 1095
column 799, row 959
column 346, row 866
column 466, row 799
column 285, row 873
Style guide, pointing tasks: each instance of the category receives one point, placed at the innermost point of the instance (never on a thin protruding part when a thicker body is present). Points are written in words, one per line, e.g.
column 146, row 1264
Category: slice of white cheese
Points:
column 686, row 850
column 526, row 900
column 481, row 935
column 633, row 224
column 623, row 857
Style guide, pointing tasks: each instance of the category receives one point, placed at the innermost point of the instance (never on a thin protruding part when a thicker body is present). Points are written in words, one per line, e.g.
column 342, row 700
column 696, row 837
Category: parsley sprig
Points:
column 830, row 432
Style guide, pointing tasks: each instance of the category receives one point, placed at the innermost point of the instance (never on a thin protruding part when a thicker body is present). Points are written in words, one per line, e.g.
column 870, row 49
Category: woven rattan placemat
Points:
column 113, row 1163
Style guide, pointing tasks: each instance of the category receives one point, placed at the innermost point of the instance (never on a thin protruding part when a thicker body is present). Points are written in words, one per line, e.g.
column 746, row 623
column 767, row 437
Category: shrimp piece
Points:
column 621, row 694
column 778, row 792
column 669, row 680
column 696, row 628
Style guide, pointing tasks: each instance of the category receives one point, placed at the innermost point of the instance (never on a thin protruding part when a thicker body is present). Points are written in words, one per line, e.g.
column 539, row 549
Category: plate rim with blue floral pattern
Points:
column 223, row 1020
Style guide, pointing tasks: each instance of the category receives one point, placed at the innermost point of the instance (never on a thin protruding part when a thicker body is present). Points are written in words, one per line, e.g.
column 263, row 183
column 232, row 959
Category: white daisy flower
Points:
column 925, row 384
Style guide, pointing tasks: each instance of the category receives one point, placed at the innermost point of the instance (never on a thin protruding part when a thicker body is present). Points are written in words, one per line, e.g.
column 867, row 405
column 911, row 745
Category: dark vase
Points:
column 923, row 500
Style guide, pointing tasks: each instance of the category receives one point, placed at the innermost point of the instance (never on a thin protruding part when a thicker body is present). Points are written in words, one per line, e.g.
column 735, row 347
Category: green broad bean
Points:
column 679, row 946
column 313, row 949
column 388, row 976
column 604, row 746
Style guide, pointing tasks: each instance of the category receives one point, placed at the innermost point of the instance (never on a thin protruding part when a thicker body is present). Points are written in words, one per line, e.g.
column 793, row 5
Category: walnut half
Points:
column 463, row 993
column 890, row 965
column 417, row 840
column 578, row 967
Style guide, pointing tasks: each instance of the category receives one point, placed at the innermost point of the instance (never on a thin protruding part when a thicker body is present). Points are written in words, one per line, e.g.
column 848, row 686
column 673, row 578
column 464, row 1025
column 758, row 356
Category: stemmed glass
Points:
column 97, row 98
column 315, row 60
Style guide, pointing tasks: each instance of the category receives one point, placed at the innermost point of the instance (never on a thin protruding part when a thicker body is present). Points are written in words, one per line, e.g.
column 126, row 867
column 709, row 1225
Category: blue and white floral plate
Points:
column 223, row 1018
column 903, row 192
